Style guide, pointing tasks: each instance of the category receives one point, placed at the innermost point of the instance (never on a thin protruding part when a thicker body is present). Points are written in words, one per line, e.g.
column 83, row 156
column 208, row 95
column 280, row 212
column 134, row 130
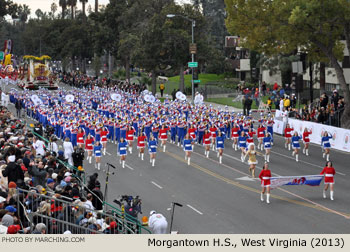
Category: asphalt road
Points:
column 216, row 199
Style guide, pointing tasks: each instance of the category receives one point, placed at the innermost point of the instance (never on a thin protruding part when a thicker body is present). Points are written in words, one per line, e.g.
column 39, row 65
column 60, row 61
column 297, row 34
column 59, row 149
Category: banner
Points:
column 311, row 180
column 278, row 127
column 340, row 137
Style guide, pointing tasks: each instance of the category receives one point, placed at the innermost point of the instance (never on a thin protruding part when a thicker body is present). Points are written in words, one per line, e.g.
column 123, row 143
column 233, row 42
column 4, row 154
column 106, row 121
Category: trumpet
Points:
column 93, row 123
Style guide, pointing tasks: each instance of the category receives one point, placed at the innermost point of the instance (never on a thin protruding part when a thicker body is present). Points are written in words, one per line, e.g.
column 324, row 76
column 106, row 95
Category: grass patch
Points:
column 229, row 102
column 205, row 78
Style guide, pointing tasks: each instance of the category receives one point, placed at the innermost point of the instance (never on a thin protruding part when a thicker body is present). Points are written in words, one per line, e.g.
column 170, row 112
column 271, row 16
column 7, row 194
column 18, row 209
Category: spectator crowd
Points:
column 34, row 181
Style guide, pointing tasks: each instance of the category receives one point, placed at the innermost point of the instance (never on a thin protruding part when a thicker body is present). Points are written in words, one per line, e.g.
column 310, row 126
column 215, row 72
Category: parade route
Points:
column 222, row 198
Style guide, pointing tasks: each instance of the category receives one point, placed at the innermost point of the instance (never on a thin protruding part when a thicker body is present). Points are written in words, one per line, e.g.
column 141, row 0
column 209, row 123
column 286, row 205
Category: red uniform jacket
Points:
column 306, row 135
column 141, row 141
column 80, row 138
column 130, row 135
column 288, row 132
column 206, row 139
column 89, row 144
column 329, row 173
column 163, row 133
column 265, row 176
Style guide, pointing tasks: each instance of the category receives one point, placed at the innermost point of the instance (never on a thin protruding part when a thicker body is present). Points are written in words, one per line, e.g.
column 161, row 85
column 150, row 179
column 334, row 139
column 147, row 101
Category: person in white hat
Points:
column 158, row 223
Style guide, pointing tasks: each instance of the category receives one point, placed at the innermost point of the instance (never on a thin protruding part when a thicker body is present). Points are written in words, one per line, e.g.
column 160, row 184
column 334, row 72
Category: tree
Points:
column 83, row 3
column 72, row 4
column 63, row 4
column 280, row 26
column 23, row 13
column 53, row 8
column 96, row 6
column 39, row 13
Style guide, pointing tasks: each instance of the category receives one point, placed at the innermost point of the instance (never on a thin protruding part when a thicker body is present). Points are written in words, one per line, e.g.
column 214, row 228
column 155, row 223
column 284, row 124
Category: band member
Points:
column 250, row 135
column 97, row 153
column 267, row 141
column 141, row 143
column 261, row 133
column 130, row 137
column 220, row 145
column 326, row 144
column 213, row 131
column 306, row 140
column 296, row 145
column 265, row 177
column 80, row 138
column 242, row 143
column 252, row 159
column 152, row 148
column 288, row 135
column 188, row 148
column 206, row 142
column 329, row 173
column 89, row 141
column 104, row 133
column 122, row 151
column 173, row 132
column 192, row 131
column 163, row 135
column 235, row 134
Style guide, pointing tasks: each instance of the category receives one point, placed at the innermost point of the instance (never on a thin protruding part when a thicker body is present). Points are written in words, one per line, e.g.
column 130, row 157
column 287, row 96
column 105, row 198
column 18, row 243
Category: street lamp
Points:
column 193, row 24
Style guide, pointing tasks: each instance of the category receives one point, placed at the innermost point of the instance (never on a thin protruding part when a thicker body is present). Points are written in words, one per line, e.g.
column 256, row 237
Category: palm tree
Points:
column 72, row 4
column 96, row 6
column 83, row 2
column 63, row 4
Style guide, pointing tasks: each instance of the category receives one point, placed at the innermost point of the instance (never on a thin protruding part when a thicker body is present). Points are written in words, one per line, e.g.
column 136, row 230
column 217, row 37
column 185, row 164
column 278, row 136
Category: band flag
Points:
column 311, row 180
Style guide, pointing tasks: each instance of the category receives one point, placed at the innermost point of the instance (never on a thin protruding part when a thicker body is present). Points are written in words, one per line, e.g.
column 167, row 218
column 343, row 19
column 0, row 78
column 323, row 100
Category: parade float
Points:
column 8, row 74
column 34, row 73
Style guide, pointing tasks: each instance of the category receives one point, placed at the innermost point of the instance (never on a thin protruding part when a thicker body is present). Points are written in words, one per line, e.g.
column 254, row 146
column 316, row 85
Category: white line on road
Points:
column 108, row 153
column 194, row 209
column 129, row 167
column 154, row 183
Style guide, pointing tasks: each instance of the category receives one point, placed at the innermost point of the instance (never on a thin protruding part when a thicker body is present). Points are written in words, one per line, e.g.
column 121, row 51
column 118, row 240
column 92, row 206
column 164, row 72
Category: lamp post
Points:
column 193, row 24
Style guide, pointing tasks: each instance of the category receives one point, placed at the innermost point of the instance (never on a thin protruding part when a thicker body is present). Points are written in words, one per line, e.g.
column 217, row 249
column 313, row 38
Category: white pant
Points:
column 160, row 228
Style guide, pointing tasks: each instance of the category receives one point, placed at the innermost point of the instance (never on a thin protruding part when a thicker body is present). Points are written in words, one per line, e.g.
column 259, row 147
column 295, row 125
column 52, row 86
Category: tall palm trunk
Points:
column 96, row 6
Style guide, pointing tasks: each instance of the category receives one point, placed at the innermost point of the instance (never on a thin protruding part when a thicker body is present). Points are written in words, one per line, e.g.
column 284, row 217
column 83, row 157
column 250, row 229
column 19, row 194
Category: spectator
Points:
column 38, row 172
column 263, row 88
column 248, row 105
column 324, row 100
column 13, row 171
column 40, row 228
column 334, row 99
column 161, row 88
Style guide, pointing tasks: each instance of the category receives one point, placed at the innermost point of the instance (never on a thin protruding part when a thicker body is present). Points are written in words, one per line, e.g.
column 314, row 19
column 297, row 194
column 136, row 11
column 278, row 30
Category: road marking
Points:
column 194, row 209
column 309, row 203
column 129, row 167
column 154, row 183
column 108, row 153
column 246, row 178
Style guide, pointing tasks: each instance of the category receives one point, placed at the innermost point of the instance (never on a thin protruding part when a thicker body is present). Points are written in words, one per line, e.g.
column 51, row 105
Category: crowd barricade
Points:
column 340, row 137
column 64, row 215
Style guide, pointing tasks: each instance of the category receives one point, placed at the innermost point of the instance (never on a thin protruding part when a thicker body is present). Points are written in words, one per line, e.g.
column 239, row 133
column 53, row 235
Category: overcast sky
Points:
column 44, row 5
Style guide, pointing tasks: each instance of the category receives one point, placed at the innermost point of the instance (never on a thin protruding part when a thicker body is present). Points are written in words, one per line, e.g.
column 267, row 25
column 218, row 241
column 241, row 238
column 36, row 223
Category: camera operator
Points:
column 78, row 156
column 38, row 128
